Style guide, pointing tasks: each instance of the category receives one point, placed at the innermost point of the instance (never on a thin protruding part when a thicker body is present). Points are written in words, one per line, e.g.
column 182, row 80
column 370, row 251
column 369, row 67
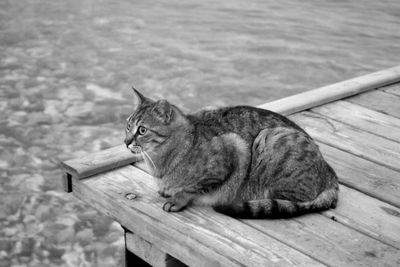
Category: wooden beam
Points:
column 323, row 95
column 100, row 161
column 148, row 252
column 145, row 250
column 67, row 182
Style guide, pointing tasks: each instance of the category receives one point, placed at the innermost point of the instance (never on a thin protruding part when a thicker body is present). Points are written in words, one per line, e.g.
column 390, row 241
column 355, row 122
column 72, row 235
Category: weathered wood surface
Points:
column 211, row 240
column 368, row 215
column 362, row 118
column 145, row 250
column 392, row 89
column 347, row 138
column 101, row 161
column 363, row 175
column 379, row 101
column 331, row 242
column 323, row 95
column 214, row 235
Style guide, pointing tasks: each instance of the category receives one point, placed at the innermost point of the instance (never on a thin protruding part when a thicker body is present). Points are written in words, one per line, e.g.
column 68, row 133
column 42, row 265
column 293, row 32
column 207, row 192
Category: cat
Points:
column 243, row 161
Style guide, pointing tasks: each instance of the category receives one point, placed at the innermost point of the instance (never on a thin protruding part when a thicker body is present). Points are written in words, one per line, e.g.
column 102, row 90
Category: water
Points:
column 66, row 68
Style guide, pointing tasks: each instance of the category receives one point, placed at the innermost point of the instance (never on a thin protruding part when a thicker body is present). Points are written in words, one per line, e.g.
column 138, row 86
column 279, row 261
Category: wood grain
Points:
column 392, row 89
column 201, row 228
column 368, row 215
column 353, row 140
column 378, row 100
column 362, row 118
column 329, row 241
column 323, row 95
column 368, row 177
column 211, row 240
column 104, row 160
column 145, row 250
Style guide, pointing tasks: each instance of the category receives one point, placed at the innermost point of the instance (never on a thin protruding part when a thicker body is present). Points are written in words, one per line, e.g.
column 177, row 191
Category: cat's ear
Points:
column 164, row 111
column 139, row 99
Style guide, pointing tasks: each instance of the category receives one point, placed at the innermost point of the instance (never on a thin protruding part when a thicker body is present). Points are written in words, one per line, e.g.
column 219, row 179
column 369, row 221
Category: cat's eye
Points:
column 142, row 130
column 128, row 126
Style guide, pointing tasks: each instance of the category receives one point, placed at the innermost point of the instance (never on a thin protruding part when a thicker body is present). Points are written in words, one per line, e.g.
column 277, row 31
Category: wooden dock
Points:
column 356, row 124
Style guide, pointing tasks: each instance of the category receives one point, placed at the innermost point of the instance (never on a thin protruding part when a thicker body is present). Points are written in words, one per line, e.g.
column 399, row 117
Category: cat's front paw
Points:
column 173, row 206
column 176, row 203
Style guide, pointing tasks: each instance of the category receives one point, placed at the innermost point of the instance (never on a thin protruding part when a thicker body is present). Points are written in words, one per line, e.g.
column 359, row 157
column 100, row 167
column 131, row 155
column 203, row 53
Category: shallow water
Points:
column 66, row 68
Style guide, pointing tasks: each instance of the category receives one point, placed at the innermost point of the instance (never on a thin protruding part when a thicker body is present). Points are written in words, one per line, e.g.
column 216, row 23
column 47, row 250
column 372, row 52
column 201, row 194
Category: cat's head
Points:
column 153, row 126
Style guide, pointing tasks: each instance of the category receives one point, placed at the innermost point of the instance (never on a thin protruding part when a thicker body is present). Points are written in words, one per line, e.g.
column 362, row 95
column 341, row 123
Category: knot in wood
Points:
column 130, row 196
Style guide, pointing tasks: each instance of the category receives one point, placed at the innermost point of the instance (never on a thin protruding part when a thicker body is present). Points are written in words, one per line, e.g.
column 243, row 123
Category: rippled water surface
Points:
column 66, row 68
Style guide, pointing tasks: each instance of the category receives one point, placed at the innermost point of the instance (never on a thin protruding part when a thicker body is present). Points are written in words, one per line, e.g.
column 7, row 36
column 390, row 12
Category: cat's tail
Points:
column 278, row 208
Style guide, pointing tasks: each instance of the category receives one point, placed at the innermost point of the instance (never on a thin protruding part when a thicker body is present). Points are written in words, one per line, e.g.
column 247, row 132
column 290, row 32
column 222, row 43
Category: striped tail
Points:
column 278, row 208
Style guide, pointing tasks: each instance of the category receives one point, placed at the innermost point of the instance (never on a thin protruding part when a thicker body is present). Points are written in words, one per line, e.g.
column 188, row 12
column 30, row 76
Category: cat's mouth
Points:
column 135, row 149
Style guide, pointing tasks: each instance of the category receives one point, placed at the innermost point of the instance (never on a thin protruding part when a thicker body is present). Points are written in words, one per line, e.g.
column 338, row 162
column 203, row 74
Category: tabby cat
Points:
column 243, row 161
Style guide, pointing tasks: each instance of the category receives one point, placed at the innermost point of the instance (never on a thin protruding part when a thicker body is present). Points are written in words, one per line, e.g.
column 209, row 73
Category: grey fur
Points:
column 242, row 161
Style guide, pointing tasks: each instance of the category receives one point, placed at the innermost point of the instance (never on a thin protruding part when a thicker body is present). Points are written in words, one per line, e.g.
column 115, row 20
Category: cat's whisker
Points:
column 145, row 160
column 149, row 158
column 149, row 167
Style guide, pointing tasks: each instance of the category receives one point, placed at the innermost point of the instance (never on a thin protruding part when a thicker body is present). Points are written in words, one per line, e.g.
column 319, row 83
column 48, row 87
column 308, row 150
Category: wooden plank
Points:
column 365, row 176
column 145, row 250
column 329, row 241
column 368, row 215
column 392, row 89
column 211, row 240
column 378, row 100
column 323, row 95
column 355, row 141
column 98, row 162
column 362, row 118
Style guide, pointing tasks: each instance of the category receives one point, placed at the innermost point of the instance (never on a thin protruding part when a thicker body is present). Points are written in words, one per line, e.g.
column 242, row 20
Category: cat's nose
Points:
column 128, row 139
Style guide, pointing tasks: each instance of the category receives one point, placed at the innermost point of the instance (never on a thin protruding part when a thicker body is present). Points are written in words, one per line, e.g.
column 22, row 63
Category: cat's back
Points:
column 246, row 121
